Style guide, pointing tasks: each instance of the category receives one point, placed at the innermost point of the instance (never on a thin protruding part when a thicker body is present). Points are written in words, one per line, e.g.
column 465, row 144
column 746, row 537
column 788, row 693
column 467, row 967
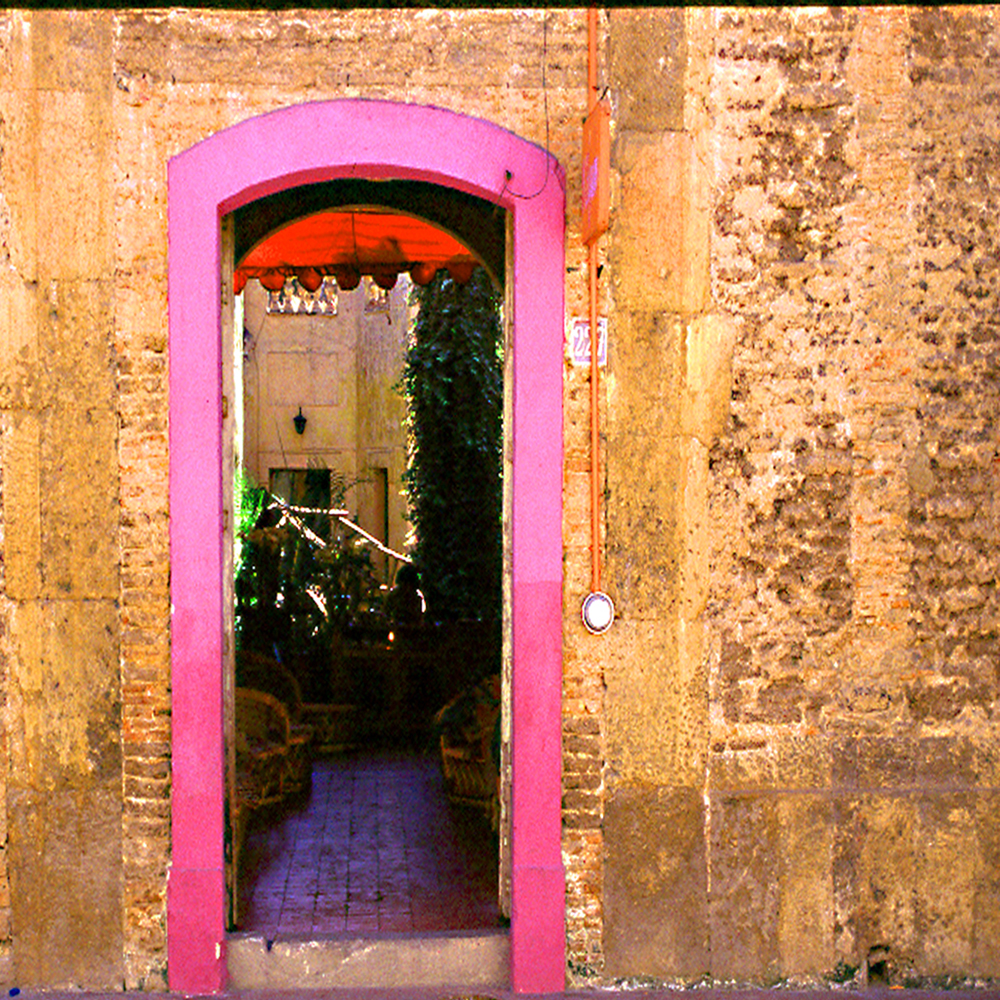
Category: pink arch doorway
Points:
column 319, row 142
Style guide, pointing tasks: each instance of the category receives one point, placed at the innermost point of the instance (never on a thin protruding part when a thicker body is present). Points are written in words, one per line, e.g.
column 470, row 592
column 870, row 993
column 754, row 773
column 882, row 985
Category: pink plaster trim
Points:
column 298, row 145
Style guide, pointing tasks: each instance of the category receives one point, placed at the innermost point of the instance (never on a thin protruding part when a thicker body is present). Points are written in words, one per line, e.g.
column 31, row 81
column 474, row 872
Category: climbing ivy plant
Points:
column 453, row 383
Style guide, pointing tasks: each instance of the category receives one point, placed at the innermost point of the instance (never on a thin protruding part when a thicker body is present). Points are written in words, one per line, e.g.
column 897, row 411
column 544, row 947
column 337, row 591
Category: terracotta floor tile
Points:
column 375, row 847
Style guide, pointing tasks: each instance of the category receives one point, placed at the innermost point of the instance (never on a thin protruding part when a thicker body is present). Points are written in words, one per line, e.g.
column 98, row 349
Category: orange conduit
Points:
column 595, row 436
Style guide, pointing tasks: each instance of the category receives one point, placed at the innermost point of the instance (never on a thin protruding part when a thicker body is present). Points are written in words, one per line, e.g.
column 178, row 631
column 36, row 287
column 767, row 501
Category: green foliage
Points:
column 249, row 502
column 453, row 382
column 302, row 579
column 250, row 499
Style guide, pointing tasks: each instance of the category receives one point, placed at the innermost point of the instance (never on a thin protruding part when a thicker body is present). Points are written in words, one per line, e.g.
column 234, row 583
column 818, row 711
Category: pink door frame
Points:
column 301, row 145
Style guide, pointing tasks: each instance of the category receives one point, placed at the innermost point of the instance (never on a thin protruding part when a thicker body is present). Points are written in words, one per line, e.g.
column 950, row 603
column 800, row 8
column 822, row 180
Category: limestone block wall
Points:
column 69, row 758
column 343, row 370
column 382, row 421
column 666, row 392
column 92, row 106
column 802, row 441
column 292, row 361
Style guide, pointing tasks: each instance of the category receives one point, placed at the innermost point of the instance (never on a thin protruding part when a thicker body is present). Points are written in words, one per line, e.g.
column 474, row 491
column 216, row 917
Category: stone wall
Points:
column 667, row 352
column 64, row 626
column 818, row 666
column 92, row 106
column 782, row 763
column 853, row 656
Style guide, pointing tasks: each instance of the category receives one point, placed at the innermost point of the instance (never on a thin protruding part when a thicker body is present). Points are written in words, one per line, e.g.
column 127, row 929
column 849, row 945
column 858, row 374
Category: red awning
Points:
column 347, row 244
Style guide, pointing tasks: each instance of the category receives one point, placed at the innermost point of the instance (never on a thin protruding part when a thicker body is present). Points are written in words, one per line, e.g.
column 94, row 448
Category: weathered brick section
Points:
column 583, row 759
column 583, row 672
column 145, row 655
column 142, row 378
column 583, row 842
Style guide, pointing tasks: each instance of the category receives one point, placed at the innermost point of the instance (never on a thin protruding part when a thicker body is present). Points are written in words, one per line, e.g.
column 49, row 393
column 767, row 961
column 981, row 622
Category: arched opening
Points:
column 373, row 141
column 472, row 220
column 393, row 831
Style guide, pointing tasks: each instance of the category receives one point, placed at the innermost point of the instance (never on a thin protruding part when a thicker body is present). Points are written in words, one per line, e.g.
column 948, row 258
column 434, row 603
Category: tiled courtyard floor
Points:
column 375, row 848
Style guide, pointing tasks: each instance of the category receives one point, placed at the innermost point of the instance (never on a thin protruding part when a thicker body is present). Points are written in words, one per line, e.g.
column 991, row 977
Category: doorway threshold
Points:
column 473, row 958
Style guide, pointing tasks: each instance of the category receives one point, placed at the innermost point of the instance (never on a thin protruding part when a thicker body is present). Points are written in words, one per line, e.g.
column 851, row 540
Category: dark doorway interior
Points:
column 369, row 841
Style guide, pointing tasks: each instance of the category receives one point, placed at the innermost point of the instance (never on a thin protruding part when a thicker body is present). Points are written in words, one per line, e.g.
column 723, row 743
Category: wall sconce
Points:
column 300, row 422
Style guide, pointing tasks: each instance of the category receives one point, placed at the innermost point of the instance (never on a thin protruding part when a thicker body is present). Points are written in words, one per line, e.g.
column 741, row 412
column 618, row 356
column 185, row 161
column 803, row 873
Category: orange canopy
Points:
column 347, row 244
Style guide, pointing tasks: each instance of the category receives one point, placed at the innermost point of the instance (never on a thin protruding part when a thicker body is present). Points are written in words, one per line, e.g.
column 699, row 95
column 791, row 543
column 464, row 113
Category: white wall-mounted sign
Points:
column 579, row 341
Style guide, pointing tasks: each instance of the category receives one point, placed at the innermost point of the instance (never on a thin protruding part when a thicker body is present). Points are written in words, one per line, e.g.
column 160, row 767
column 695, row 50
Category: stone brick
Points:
column 655, row 876
column 805, row 909
column 66, row 897
column 67, row 647
column 73, row 215
column 745, row 900
column 79, row 502
column 985, row 958
column 947, row 864
column 742, row 768
column 22, row 512
column 18, row 343
column 659, row 254
column 873, row 870
column 20, row 173
column 653, row 723
column 708, row 376
column 643, row 466
column 70, row 50
column 648, row 52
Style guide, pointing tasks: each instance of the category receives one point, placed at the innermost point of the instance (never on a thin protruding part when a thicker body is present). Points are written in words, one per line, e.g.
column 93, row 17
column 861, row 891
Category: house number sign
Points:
column 579, row 341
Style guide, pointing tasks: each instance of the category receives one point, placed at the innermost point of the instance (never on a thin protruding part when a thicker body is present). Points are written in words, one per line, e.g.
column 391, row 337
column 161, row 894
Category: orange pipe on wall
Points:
column 595, row 436
column 591, row 58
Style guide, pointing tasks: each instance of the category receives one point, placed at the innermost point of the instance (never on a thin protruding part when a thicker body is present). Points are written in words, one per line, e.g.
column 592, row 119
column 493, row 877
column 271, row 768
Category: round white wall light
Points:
column 598, row 612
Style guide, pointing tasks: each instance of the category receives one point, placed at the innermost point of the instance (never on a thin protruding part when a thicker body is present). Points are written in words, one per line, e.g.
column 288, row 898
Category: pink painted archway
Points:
column 301, row 145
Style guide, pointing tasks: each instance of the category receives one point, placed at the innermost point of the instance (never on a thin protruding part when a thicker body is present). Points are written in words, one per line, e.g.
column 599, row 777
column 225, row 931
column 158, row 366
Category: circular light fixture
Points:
column 598, row 612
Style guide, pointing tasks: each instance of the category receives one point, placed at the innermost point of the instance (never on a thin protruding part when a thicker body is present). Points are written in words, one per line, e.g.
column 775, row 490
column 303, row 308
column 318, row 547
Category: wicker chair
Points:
column 467, row 726
column 329, row 726
column 261, row 673
column 263, row 751
column 263, row 748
